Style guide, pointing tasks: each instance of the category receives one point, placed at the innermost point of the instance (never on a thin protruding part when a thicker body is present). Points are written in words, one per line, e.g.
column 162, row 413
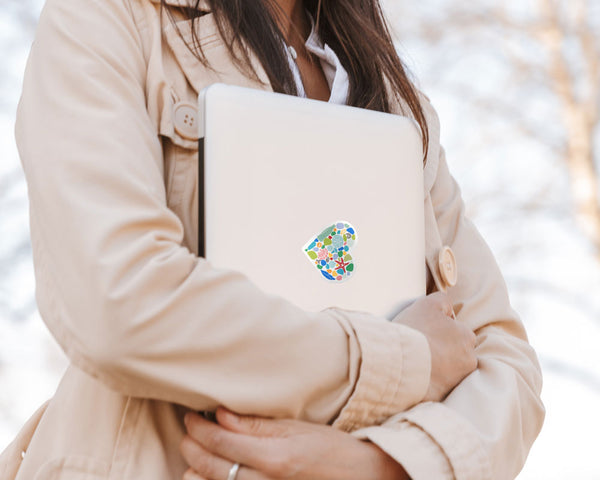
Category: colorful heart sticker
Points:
column 329, row 251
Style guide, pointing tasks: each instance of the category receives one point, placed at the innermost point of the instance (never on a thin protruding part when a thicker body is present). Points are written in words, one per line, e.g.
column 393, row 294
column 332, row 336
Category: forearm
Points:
column 483, row 430
column 383, row 466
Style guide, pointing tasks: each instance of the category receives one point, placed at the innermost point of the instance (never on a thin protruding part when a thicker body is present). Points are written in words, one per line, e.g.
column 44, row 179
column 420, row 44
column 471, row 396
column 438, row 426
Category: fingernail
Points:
column 187, row 419
column 231, row 417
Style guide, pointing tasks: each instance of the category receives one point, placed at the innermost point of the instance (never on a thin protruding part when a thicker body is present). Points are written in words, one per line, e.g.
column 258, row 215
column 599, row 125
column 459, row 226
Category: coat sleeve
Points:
column 128, row 303
column 484, row 429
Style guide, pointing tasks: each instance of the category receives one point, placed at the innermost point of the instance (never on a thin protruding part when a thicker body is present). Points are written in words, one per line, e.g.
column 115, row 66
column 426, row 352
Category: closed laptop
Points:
column 319, row 203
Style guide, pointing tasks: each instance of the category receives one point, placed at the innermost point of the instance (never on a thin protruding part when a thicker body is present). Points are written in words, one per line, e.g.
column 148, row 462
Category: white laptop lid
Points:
column 319, row 203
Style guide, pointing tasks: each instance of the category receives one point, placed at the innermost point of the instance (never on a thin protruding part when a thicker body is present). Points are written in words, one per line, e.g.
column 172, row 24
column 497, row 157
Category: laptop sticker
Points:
column 329, row 251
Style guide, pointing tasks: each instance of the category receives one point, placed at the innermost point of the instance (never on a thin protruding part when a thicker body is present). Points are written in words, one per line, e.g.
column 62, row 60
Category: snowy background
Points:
column 503, row 129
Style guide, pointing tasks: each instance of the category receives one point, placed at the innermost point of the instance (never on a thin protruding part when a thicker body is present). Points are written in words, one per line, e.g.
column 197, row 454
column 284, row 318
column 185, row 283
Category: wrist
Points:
column 384, row 466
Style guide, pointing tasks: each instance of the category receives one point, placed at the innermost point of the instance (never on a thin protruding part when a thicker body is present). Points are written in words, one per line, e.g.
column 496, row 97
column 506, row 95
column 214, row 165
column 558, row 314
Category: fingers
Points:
column 445, row 302
column 473, row 338
column 470, row 341
column 259, row 453
column 203, row 463
column 206, row 466
column 250, row 425
column 219, row 441
column 191, row 475
column 442, row 300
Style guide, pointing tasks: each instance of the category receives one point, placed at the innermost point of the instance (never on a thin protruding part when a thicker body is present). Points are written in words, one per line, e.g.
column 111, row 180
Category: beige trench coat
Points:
column 152, row 331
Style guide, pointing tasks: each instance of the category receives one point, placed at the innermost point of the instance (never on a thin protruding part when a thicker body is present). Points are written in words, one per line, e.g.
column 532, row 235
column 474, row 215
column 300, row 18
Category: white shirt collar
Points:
column 336, row 75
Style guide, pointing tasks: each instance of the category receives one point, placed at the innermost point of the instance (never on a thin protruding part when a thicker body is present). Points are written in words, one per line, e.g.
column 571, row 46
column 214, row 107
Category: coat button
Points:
column 185, row 118
column 447, row 265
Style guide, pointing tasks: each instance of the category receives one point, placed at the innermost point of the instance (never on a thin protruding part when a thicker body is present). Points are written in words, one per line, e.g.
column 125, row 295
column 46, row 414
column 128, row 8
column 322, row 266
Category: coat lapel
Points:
column 224, row 70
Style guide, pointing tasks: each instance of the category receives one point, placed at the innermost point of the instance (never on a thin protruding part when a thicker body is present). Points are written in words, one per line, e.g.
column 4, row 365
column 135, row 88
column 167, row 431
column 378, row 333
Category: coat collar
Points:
column 224, row 68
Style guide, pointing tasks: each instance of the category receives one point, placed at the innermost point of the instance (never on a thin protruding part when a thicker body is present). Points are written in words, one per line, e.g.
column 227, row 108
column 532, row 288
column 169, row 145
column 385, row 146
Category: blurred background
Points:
column 517, row 88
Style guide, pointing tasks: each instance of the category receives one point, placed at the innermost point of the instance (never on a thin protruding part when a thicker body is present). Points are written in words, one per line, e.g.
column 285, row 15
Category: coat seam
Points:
column 122, row 451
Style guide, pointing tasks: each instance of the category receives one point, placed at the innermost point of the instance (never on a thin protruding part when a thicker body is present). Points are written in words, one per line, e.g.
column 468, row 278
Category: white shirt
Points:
column 336, row 75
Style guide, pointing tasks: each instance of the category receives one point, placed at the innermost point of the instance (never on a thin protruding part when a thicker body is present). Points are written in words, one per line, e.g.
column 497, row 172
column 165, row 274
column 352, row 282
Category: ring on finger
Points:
column 233, row 471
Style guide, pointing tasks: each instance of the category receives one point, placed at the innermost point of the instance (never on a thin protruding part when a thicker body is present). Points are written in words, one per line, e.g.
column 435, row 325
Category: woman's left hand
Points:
column 275, row 449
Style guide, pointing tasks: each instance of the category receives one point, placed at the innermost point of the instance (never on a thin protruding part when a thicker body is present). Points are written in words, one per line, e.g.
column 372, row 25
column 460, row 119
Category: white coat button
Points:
column 447, row 264
column 185, row 118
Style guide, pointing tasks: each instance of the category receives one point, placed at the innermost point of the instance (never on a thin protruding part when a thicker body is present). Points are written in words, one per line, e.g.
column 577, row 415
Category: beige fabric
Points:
column 152, row 331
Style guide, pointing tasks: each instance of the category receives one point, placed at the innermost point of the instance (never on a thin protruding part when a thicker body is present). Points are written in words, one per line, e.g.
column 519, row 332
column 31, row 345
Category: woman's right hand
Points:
column 452, row 344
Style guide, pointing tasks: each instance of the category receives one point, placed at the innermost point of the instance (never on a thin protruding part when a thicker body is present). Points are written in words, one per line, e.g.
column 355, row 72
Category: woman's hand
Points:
column 279, row 449
column 452, row 344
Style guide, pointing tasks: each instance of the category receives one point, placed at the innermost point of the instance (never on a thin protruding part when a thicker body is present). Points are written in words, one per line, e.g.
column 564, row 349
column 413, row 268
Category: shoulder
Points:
column 84, row 19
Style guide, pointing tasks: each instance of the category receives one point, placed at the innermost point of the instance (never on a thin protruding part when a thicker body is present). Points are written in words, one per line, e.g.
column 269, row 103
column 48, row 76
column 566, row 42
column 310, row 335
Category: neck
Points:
column 289, row 6
column 292, row 20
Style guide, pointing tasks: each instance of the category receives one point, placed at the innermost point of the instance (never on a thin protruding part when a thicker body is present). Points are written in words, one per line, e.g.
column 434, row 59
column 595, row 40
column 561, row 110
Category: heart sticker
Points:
column 329, row 251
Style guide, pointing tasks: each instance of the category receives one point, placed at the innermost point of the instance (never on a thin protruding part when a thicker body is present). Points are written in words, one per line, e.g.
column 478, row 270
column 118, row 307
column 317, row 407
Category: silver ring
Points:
column 233, row 471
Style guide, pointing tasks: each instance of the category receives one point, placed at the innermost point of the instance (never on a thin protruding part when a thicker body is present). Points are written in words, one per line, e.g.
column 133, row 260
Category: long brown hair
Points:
column 355, row 29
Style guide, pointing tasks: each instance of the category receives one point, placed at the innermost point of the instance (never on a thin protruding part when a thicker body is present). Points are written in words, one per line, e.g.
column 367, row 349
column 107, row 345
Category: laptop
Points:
column 321, row 204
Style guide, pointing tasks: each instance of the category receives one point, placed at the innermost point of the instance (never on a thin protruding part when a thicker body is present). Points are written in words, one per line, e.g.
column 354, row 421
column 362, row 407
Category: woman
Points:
column 106, row 137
